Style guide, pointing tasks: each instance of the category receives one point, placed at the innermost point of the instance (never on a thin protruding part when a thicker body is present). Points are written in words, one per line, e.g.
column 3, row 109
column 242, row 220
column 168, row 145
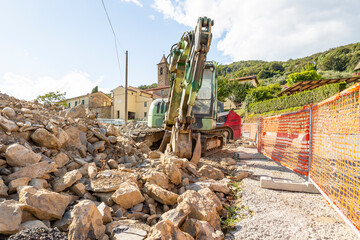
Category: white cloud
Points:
column 133, row 1
column 152, row 17
column 270, row 30
column 75, row 83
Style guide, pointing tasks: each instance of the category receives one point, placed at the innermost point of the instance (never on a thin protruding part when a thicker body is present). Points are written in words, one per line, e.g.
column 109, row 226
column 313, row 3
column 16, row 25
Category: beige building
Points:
column 138, row 103
column 99, row 103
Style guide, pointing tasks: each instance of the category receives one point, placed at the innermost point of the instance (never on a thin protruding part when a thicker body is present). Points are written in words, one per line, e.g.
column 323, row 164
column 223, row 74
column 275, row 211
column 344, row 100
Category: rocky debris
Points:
column 211, row 172
column 14, row 184
column 62, row 169
column 76, row 112
column 20, row 156
column 3, row 189
column 11, row 215
column 42, row 203
column 63, row 182
column 167, row 230
column 33, row 224
column 127, row 195
column 44, row 138
column 8, row 125
column 39, row 233
column 161, row 195
column 87, row 222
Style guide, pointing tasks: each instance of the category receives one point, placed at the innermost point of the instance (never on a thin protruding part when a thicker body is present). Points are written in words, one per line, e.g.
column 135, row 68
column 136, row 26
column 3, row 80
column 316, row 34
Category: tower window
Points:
column 161, row 71
column 162, row 92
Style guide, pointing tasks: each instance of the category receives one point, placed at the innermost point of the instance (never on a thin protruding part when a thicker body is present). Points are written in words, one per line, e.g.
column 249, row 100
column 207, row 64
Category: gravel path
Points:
column 281, row 214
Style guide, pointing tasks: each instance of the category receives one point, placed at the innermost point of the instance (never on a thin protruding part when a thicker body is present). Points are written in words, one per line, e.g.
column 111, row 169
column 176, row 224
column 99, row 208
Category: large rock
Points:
column 3, row 189
column 158, row 178
column 173, row 172
column 87, row 222
column 42, row 203
column 14, row 184
column 44, row 138
column 211, row 172
column 37, row 170
column 177, row 215
column 11, row 215
column 105, row 212
column 8, row 125
column 61, row 159
column 19, row 156
column 32, row 224
column 161, row 195
column 62, row 136
column 127, row 230
column 111, row 131
column 167, row 230
column 143, row 147
column 217, row 186
column 128, row 195
column 63, row 182
column 202, row 230
column 9, row 112
column 76, row 112
column 204, row 206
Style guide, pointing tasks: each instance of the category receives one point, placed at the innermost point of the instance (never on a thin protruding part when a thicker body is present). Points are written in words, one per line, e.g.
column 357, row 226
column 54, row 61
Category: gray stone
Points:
column 8, row 125
column 11, row 215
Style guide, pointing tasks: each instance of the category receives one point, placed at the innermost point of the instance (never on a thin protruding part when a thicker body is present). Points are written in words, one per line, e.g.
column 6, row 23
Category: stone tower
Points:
column 163, row 77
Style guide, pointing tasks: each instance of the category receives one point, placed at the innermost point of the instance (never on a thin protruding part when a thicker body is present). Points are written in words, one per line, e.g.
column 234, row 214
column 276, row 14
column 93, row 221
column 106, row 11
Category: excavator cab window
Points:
column 204, row 101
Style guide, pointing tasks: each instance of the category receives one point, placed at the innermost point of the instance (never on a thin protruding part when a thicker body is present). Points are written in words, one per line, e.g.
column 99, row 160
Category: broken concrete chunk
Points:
column 19, row 156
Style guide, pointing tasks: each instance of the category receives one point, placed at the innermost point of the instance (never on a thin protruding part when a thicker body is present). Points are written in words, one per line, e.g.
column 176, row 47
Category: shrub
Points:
column 297, row 100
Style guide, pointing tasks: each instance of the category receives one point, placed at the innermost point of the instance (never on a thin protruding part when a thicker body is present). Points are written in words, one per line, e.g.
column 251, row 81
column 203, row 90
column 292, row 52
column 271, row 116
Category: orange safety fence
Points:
column 250, row 131
column 285, row 138
column 335, row 151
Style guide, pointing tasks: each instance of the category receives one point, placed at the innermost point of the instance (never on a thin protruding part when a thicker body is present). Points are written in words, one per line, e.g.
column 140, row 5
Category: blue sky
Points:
column 68, row 45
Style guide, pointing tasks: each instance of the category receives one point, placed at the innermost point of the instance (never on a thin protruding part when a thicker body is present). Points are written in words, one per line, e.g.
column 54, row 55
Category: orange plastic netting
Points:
column 335, row 151
column 250, row 130
column 285, row 138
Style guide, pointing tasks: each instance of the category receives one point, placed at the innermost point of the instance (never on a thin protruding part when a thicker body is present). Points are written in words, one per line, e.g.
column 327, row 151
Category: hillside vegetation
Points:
column 334, row 63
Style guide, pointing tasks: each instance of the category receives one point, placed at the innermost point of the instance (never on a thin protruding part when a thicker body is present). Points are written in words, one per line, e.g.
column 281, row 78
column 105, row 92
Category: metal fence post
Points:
column 310, row 142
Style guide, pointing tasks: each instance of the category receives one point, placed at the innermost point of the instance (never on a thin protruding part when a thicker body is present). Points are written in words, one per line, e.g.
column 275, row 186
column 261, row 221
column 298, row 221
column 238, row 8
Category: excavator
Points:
column 191, row 126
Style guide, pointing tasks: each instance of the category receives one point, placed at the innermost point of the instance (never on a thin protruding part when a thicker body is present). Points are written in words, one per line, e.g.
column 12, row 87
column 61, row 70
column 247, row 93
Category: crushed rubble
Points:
column 64, row 175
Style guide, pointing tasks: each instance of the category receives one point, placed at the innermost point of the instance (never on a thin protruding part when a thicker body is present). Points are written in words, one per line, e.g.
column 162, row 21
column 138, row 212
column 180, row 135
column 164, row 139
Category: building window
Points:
column 145, row 114
column 83, row 102
column 69, row 104
column 75, row 103
column 104, row 104
column 161, row 71
column 162, row 92
column 145, row 104
column 118, row 114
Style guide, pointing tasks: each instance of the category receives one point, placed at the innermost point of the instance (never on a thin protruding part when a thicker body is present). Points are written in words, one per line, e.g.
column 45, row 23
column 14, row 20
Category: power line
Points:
column 115, row 38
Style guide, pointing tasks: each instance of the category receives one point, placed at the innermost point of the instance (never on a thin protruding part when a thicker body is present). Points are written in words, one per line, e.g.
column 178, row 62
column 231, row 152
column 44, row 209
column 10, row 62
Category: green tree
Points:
column 52, row 97
column 238, row 92
column 95, row 89
column 224, row 89
column 262, row 93
column 336, row 60
column 302, row 76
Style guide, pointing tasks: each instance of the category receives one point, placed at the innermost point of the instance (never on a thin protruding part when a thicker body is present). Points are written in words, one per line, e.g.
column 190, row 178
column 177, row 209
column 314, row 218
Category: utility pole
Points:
column 126, row 88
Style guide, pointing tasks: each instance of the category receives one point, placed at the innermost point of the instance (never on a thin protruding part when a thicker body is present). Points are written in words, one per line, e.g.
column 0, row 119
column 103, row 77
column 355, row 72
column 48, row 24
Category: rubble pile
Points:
column 61, row 170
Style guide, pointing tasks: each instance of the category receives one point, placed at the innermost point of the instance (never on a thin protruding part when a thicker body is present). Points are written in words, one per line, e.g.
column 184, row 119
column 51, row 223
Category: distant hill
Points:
column 333, row 63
